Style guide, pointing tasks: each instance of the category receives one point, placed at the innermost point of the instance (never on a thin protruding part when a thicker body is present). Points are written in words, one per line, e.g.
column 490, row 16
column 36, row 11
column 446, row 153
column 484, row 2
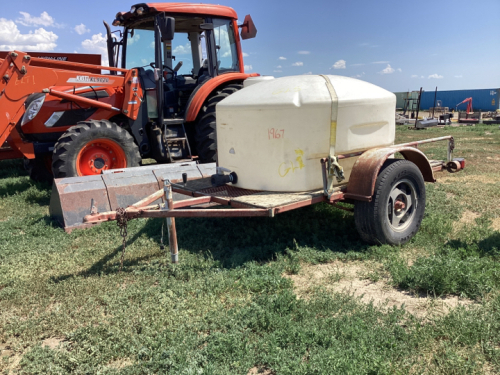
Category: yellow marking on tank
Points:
column 300, row 153
column 283, row 91
column 285, row 172
column 283, row 168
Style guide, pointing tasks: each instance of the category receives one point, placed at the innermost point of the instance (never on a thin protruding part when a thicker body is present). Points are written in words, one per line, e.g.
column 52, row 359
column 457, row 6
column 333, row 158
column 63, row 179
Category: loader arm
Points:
column 19, row 80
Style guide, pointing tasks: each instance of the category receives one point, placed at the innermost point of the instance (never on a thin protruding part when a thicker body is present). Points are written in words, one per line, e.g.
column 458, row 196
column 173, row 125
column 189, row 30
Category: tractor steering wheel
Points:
column 153, row 65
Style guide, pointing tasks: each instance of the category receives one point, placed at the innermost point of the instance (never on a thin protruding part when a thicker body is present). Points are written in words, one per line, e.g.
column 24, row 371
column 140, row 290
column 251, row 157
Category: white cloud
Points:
column 97, row 44
column 400, row 70
column 380, row 62
column 248, row 68
column 186, row 50
column 339, row 65
column 282, row 58
column 245, row 54
column 436, row 76
column 304, row 52
column 460, row 76
column 422, row 77
column 387, row 70
column 133, row 39
column 277, row 71
column 298, row 63
column 38, row 40
column 81, row 29
column 307, row 74
column 279, row 67
column 29, row 20
column 414, row 76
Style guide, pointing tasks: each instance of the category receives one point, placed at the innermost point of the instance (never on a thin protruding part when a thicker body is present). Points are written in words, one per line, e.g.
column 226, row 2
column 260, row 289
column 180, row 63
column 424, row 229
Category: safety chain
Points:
column 121, row 220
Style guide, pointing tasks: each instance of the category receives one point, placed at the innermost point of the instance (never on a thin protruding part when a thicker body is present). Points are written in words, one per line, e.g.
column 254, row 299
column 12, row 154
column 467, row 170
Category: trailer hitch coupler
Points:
column 455, row 165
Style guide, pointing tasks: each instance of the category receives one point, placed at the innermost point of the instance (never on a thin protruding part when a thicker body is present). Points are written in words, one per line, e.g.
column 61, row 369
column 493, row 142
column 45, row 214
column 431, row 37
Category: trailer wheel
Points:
column 93, row 146
column 205, row 128
column 397, row 208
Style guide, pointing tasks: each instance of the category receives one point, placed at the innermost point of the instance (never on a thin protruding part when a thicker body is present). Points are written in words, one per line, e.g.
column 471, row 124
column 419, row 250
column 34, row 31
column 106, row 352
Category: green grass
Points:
column 228, row 307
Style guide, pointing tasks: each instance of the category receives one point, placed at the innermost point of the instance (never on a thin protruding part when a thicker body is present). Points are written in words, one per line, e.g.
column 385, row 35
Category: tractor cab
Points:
column 177, row 48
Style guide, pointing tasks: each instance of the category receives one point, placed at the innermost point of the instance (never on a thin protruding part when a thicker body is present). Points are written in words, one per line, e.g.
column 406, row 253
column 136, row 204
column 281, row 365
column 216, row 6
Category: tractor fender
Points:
column 201, row 94
column 361, row 185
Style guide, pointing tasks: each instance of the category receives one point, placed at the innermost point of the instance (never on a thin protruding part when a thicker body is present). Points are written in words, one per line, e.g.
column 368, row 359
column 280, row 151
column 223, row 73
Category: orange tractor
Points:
column 157, row 102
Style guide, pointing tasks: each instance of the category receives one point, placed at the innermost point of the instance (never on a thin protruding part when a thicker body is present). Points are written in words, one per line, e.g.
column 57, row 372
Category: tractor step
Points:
column 176, row 140
column 74, row 197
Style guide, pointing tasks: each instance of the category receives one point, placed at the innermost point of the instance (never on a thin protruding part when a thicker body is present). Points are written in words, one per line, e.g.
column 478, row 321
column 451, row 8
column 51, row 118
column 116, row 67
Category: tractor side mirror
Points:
column 167, row 28
column 248, row 29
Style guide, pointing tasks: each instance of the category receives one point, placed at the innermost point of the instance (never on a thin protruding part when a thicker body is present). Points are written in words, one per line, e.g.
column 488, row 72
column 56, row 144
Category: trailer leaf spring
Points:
column 121, row 220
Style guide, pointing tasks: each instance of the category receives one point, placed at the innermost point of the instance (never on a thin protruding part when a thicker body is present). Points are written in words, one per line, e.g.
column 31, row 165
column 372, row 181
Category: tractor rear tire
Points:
column 92, row 146
column 397, row 208
column 206, row 126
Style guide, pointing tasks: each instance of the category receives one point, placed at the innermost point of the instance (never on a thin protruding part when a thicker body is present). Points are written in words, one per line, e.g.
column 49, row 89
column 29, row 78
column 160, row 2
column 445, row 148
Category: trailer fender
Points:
column 202, row 92
column 361, row 185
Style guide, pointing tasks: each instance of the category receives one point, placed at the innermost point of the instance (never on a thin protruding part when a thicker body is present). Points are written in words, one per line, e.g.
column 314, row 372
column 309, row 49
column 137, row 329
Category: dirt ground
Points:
column 354, row 278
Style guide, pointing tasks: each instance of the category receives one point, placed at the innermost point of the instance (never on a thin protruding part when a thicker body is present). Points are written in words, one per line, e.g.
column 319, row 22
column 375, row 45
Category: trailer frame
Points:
column 232, row 201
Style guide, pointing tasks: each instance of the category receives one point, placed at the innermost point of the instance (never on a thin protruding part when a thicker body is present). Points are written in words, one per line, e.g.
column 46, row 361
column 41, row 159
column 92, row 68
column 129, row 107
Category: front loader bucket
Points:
column 72, row 198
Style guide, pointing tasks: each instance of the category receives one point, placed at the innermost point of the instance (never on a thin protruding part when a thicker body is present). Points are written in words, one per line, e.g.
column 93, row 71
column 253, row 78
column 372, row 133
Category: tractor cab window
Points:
column 181, row 51
column 140, row 49
column 225, row 44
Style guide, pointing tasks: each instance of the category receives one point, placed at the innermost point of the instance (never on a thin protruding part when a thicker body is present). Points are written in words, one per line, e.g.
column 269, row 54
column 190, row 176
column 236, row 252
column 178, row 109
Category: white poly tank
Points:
column 274, row 133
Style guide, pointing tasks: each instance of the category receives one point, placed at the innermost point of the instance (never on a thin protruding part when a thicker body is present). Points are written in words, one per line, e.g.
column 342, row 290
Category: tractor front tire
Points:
column 206, row 126
column 397, row 208
column 92, row 146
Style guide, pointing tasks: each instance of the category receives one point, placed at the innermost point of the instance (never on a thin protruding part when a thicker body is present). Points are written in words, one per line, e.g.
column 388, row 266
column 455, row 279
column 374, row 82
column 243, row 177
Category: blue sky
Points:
column 398, row 45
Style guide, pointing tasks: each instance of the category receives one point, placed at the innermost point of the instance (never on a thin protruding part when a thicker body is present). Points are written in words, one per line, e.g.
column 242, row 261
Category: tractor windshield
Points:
column 225, row 43
column 140, row 49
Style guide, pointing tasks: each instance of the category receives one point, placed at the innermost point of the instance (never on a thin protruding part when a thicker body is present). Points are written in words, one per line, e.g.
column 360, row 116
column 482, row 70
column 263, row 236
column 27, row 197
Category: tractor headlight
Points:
column 33, row 105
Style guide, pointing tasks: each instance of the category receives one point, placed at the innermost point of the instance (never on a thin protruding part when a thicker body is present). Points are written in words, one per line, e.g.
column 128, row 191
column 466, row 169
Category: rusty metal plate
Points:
column 71, row 199
column 129, row 187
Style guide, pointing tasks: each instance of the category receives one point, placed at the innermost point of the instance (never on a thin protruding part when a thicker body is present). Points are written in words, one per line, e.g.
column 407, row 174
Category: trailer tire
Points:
column 397, row 208
column 93, row 146
column 206, row 126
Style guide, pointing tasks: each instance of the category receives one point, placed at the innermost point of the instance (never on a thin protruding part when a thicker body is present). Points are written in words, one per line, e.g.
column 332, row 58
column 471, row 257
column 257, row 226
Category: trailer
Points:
column 388, row 195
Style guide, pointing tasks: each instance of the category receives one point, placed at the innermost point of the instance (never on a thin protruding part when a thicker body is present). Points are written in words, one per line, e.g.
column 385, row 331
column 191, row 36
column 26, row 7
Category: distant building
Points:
column 484, row 99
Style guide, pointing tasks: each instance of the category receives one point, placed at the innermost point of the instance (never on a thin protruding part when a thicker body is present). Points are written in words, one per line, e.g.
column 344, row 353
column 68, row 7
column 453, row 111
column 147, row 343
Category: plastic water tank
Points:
column 253, row 80
column 274, row 133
